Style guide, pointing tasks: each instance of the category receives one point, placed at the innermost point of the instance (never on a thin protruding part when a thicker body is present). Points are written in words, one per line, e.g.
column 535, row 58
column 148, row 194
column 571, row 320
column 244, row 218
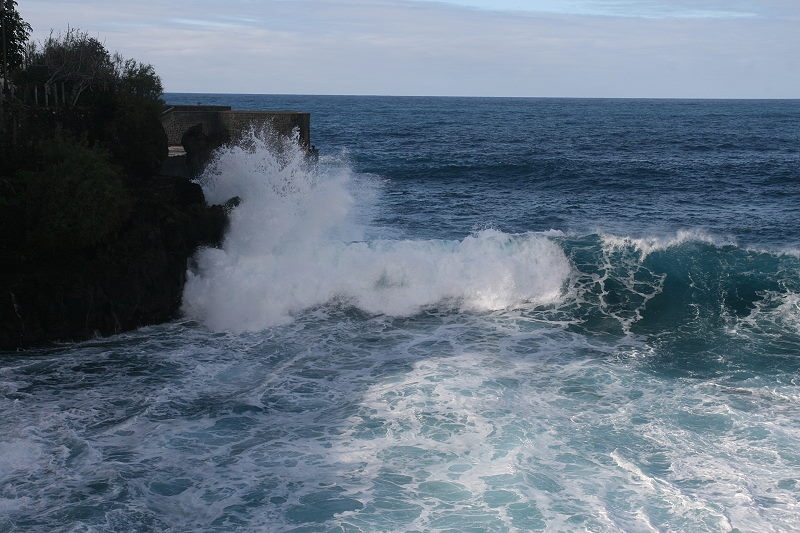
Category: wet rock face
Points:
column 131, row 280
column 199, row 147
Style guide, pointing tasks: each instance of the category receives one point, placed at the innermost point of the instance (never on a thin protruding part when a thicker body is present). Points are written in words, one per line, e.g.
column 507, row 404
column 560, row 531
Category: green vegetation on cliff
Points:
column 76, row 200
column 79, row 127
column 71, row 87
column 92, row 240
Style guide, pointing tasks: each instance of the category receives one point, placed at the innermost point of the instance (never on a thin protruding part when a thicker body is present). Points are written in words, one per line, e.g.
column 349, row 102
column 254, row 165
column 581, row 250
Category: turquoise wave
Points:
column 701, row 306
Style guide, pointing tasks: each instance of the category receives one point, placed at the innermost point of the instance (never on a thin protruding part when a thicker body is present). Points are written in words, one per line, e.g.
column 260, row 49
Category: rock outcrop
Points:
column 132, row 279
column 199, row 146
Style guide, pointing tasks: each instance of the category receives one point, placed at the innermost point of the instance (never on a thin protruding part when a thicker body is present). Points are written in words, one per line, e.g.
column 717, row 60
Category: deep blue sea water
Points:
column 469, row 315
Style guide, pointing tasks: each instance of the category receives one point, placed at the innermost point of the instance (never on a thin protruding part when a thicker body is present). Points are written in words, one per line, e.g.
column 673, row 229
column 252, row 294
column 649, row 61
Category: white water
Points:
column 647, row 245
column 482, row 421
column 296, row 242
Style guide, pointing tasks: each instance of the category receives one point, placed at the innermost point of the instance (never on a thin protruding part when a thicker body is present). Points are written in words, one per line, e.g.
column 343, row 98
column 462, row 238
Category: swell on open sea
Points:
column 483, row 315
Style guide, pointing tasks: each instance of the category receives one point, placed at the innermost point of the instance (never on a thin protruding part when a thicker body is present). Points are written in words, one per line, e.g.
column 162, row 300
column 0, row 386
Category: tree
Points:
column 78, row 61
column 15, row 32
column 138, row 79
column 80, row 64
column 106, row 100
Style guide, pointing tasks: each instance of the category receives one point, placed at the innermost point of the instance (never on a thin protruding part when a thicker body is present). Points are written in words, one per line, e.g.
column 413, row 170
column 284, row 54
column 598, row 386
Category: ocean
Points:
column 468, row 315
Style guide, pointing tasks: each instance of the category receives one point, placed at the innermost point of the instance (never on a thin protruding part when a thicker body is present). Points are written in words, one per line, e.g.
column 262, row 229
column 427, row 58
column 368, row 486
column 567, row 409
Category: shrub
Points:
column 77, row 200
column 134, row 134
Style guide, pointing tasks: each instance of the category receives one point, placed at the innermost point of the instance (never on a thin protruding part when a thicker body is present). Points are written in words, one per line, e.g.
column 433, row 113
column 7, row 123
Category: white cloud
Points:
column 624, row 8
column 404, row 47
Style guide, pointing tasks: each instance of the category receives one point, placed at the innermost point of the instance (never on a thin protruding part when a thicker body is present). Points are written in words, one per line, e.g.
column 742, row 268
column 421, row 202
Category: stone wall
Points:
column 222, row 122
column 177, row 119
column 283, row 122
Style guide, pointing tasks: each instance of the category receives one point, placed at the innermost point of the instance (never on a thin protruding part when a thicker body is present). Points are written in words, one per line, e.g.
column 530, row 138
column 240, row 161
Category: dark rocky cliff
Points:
column 93, row 241
column 132, row 279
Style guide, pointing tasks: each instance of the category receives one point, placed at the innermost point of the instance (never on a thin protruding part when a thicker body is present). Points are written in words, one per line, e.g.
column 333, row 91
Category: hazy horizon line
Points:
column 486, row 97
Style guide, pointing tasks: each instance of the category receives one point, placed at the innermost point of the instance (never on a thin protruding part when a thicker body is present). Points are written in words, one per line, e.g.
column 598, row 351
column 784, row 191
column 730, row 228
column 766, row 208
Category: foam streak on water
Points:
column 434, row 423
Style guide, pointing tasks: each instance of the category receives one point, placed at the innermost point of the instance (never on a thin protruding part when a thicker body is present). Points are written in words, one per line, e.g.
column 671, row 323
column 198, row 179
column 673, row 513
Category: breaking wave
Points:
column 296, row 242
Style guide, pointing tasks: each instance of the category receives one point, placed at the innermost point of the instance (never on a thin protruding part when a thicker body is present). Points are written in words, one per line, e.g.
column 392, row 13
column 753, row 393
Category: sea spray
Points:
column 295, row 243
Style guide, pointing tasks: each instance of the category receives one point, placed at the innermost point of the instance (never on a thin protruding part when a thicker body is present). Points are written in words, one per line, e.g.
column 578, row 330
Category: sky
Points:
column 545, row 48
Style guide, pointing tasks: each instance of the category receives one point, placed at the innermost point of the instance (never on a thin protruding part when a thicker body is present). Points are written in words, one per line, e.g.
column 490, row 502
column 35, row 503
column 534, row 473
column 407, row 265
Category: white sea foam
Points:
column 774, row 315
column 790, row 251
column 647, row 245
column 483, row 421
column 296, row 242
column 18, row 454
